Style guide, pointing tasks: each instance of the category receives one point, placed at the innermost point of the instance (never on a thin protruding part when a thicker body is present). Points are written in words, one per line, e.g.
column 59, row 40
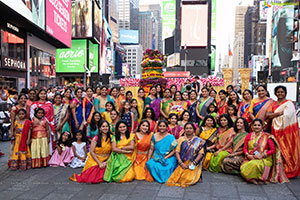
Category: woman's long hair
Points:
column 37, row 95
column 152, row 113
column 118, row 134
column 99, row 141
column 237, row 101
column 247, row 129
column 230, row 122
column 144, row 121
column 93, row 123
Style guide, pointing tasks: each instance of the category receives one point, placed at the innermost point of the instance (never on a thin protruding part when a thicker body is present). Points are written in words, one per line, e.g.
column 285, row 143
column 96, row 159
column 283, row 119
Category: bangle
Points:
column 264, row 154
column 194, row 162
column 180, row 162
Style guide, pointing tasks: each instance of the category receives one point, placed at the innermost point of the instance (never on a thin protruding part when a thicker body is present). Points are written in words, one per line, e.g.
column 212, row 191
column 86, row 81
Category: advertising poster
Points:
column 58, row 20
column 72, row 59
column 93, row 56
column 82, row 25
column 168, row 18
column 129, row 36
column 103, row 61
column 33, row 10
column 97, row 22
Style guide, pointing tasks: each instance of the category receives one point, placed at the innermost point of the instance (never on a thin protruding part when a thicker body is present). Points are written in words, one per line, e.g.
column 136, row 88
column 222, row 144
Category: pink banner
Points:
column 58, row 20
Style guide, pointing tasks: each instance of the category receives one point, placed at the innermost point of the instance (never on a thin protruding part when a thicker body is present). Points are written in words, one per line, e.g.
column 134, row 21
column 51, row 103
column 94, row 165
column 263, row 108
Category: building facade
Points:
column 134, row 56
column 128, row 14
column 146, row 29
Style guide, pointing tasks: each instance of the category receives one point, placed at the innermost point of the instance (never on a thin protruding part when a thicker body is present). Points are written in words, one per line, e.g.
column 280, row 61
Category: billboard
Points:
column 72, row 59
column 194, row 25
column 129, row 36
column 58, row 20
column 168, row 18
column 33, row 11
column 98, row 20
column 93, row 56
column 82, row 17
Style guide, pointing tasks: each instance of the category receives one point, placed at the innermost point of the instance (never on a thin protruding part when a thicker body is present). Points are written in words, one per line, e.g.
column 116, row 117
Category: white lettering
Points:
column 12, row 27
column 60, row 21
column 10, row 62
column 72, row 54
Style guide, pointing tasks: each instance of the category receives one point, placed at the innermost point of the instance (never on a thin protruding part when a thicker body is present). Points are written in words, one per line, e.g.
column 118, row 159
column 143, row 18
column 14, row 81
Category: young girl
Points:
column 20, row 159
column 109, row 106
column 93, row 127
column 127, row 115
column 63, row 154
column 213, row 111
column 150, row 116
column 40, row 138
column 80, row 151
column 232, row 112
column 134, row 110
column 173, row 127
column 114, row 119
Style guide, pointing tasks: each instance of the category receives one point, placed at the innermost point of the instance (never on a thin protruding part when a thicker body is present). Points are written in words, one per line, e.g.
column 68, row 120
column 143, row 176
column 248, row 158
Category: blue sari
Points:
column 79, row 117
column 159, row 167
column 192, row 110
column 88, row 104
column 99, row 105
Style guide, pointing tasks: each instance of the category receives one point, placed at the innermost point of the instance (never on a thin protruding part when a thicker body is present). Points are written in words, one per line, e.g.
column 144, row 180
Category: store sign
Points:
column 58, row 20
column 73, row 59
column 13, row 63
column 12, row 27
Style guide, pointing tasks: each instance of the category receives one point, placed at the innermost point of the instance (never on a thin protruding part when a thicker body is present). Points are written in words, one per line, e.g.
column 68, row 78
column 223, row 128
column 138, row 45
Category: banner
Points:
column 129, row 37
column 93, row 56
column 168, row 18
column 82, row 25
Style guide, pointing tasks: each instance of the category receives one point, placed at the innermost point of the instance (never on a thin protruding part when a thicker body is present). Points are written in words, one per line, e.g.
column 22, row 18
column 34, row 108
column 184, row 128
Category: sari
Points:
column 79, row 117
column 204, row 104
column 222, row 140
column 222, row 107
column 119, row 105
column 99, row 103
column 59, row 115
column 91, row 172
column 152, row 126
column 89, row 108
column 286, row 131
column 106, row 116
column 192, row 109
column 175, row 131
column 231, row 165
column 266, row 169
column 142, row 148
column 165, row 106
column 210, row 136
column 155, row 105
column 140, row 105
column 159, row 167
column 119, row 166
column 244, row 109
column 259, row 109
column 188, row 150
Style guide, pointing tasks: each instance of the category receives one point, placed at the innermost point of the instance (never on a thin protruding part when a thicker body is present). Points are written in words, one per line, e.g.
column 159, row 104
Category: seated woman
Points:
column 163, row 162
column 223, row 143
column 119, row 165
column 100, row 150
column 263, row 161
column 143, row 142
column 231, row 164
column 173, row 127
column 208, row 132
column 189, row 154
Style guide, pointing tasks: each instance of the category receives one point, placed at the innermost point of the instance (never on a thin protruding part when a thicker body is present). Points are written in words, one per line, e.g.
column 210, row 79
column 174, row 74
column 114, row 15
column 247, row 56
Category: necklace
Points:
column 255, row 140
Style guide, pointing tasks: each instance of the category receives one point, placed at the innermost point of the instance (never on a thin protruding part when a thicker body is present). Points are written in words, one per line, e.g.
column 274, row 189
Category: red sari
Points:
column 222, row 107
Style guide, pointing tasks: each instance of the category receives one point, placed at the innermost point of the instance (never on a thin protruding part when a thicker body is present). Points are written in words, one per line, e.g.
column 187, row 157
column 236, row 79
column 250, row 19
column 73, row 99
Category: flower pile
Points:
column 178, row 110
column 214, row 81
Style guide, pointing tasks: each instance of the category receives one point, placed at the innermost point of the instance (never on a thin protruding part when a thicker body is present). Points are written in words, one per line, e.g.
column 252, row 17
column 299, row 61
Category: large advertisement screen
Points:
column 82, row 19
column 33, row 10
column 194, row 25
column 98, row 20
column 58, row 20
column 93, row 57
column 168, row 18
column 129, row 37
column 72, row 59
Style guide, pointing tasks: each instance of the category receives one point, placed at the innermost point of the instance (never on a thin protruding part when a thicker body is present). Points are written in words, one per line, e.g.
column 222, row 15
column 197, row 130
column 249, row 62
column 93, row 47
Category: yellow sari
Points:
column 140, row 105
column 210, row 136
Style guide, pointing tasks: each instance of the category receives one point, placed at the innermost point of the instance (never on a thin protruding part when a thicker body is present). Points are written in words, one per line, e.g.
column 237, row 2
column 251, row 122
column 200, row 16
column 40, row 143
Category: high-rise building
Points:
column 113, row 19
column 156, row 10
column 146, row 29
column 134, row 56
column 128, row 14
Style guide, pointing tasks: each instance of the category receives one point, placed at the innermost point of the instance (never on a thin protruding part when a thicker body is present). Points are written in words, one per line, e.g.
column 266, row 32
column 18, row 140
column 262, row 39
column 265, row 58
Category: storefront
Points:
column 13, row 62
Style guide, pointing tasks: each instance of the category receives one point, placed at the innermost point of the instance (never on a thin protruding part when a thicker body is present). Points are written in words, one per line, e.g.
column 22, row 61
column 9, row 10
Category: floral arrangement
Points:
column 153, row 54
column 178, row 110
column 214, row 81
column 161, row 81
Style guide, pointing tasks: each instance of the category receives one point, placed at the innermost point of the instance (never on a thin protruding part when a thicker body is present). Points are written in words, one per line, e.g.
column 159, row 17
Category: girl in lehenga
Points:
column 142, row 141
column 223, row 143
column 40, row 137
column 21, row 159
column 189, row 154
column 263, row 161
column 163, row 162
column 119, row 165
column 232, row 163
column 209, row 134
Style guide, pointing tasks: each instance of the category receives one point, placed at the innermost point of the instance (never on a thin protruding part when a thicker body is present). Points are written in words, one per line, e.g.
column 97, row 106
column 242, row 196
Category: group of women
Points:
column 168, row 136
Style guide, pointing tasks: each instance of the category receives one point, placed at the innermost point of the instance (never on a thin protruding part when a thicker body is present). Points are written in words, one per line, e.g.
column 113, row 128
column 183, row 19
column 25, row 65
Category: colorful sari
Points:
column 244, row 109
column 222, row 107
column 192, row 110
column 165, row 106
column 188, row 150
column 266, row 169
column 286, row 131
column 231, row 165
column 119, row 166
column 142, row 148
column 159, row 167
column 204, row 104
column 152, row 126
column 106, row 116
column 210, row 136
column 119, row 105
column 79, row 116
column 60, row 114
column 140, row 104
column 99, row 103
column 91, row 172
column 222, row 139
column 175, row 131
column 155, row 105
column 260, row 108
column 89, row 108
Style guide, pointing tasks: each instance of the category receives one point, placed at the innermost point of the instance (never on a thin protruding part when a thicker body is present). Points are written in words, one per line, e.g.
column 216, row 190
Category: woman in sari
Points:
column 96, row 163
column 61, row 114
column 67, row 96
column 234, row 99
column 222, row 103
column 153, row 102
column 286, row 131
column 244, row 108
column 173, row 127
column 223, row 143
column 259, row 107
column 77, row 112
column 140, row 101
column 113, row 95
column 263, row 161
column 88, row 105
column 121, row 98
column 203, row 104
column 165, row 104
column 193, row 105
column 232, row 163
column 173, row 89
column 100, row 101
column 150, row 116
column 189, row 154
column 178, row 105
column 119, row 165
column 142, row 141
column 162, row 161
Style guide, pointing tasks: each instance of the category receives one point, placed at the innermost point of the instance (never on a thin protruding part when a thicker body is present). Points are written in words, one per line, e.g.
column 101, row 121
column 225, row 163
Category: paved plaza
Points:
column 53, row 184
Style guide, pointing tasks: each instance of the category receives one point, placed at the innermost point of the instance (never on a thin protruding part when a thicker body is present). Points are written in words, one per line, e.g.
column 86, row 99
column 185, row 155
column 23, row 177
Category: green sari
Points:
column 203, row 106
column 165, row 106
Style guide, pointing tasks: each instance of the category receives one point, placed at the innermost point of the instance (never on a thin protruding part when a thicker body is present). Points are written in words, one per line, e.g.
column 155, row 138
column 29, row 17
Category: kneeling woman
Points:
column 119, row 165
column 189, row 154
column 163, row 162
column 263, row 161
column 96, row 163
